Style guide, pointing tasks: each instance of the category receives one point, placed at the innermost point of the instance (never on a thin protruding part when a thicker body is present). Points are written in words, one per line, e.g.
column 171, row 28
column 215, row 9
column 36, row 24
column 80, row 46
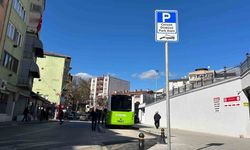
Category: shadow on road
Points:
column 70, row 136
column 210, row 145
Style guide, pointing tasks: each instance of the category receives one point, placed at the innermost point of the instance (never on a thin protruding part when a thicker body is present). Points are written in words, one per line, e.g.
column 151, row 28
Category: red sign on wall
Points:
column 232, row 99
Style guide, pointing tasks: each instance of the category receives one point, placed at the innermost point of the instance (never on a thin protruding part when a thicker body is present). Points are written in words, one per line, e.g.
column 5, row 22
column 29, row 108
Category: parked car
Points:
column 73, row 116
column 84, row 117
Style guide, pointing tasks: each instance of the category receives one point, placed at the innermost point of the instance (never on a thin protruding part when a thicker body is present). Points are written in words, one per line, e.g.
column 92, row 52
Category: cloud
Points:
column 150, row 74
column 83, row 75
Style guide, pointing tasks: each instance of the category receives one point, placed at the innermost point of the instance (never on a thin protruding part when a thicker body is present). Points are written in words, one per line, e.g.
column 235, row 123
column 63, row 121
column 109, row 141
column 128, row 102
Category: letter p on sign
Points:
column 165, row 16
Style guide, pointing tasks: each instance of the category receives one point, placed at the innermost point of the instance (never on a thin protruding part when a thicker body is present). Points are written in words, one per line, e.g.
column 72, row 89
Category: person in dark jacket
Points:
column 25, row 114
column 93, row 119
column 98, row 115
column 60, row 116
column 157, row 118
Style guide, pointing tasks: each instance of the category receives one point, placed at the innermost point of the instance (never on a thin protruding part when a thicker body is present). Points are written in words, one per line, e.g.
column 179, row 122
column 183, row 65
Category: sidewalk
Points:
column 18, row 123
column 188, row 140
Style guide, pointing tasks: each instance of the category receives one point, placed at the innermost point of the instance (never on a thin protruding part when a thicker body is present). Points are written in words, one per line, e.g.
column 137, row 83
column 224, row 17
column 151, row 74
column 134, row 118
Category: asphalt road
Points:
column 74, row 135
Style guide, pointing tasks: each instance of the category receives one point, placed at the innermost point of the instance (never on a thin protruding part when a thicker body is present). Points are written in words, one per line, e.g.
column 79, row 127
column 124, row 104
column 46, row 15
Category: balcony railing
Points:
column 245, row 66
column 223, row 75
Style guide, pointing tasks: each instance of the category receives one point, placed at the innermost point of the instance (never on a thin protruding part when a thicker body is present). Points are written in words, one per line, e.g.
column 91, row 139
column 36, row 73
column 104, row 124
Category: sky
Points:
column 117, row 37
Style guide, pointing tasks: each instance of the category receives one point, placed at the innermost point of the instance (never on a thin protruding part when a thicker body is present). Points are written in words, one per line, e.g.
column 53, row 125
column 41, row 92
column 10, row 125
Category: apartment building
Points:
column 54, row 70
column 19, row 46
column 103, row 87
column 201, row 75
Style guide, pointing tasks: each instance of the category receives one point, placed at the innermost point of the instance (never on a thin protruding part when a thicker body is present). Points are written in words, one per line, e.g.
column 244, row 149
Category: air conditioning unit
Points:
column 3, row 84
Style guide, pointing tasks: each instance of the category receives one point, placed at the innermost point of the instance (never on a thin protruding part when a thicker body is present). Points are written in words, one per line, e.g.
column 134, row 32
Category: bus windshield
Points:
column 121, row 103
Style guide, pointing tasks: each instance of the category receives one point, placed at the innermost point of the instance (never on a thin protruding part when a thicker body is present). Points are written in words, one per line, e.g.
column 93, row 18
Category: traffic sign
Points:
column 232, row 99
column 166, row 25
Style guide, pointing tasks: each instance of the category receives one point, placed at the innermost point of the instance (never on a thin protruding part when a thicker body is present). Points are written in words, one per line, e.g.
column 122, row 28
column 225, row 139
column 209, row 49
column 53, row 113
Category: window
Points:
column 10, row 62
column 121, row 103
column 14, row 35
column 18, row 38
column 35, row 8
column 11, row 31
column 17, row 5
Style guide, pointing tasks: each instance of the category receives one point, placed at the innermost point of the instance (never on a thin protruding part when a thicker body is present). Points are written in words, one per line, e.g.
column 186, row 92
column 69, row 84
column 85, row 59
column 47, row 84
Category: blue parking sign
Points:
column 167, row 17
column 166, row 25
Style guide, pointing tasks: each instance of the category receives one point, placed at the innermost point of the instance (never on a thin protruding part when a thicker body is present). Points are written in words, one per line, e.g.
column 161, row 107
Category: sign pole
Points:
column 166, row 30
column 167, row 98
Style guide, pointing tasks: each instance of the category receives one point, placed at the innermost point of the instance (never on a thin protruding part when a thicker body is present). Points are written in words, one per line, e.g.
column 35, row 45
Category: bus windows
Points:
column 121, row 103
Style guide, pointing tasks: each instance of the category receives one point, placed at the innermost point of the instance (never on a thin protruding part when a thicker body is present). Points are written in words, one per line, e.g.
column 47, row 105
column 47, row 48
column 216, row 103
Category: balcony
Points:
column 28, row 70
column 33, row 45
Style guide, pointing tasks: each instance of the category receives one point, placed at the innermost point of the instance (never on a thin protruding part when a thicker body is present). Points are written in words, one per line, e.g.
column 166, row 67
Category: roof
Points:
column 202, row 72
column 132, row 92
column 176, row 80
column 199, row 69
column 56, row 55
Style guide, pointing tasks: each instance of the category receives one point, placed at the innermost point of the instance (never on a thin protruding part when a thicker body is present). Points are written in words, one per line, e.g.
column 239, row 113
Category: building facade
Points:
column 103, row 87
column 221, row 107
column 201, row 75
column 3, row 14
column 54, row 70
column 18, row 54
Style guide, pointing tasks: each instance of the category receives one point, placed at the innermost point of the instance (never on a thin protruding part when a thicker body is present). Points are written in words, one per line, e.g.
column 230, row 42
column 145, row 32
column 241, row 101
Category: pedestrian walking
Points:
column 47, row 113
column 60, row 116
column 157, row 118
column 98, row 113
column 104, row 114
column 32, row 112
column 25, row 114
column 42, row 114
column 93, row 119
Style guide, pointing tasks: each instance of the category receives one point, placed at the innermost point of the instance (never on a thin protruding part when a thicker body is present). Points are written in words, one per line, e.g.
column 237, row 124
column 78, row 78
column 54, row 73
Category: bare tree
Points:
column 102, row 101
column 78, row 93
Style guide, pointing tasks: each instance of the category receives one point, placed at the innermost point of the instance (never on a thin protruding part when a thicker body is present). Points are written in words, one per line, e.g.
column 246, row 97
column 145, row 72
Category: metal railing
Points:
column 245, row 66
column 219, row 76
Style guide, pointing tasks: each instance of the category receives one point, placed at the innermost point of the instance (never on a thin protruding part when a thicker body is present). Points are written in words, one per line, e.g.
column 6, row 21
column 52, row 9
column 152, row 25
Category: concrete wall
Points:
column 5, row 117
column 50, row 83
column 118, row 85
column 196, row 111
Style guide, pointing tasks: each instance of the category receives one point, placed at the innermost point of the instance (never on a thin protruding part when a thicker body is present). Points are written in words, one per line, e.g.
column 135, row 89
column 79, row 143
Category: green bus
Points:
column 120, row 111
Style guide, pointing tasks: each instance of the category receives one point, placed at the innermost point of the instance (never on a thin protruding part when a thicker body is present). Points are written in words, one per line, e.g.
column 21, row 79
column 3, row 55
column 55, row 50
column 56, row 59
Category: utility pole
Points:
column 167, row 98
